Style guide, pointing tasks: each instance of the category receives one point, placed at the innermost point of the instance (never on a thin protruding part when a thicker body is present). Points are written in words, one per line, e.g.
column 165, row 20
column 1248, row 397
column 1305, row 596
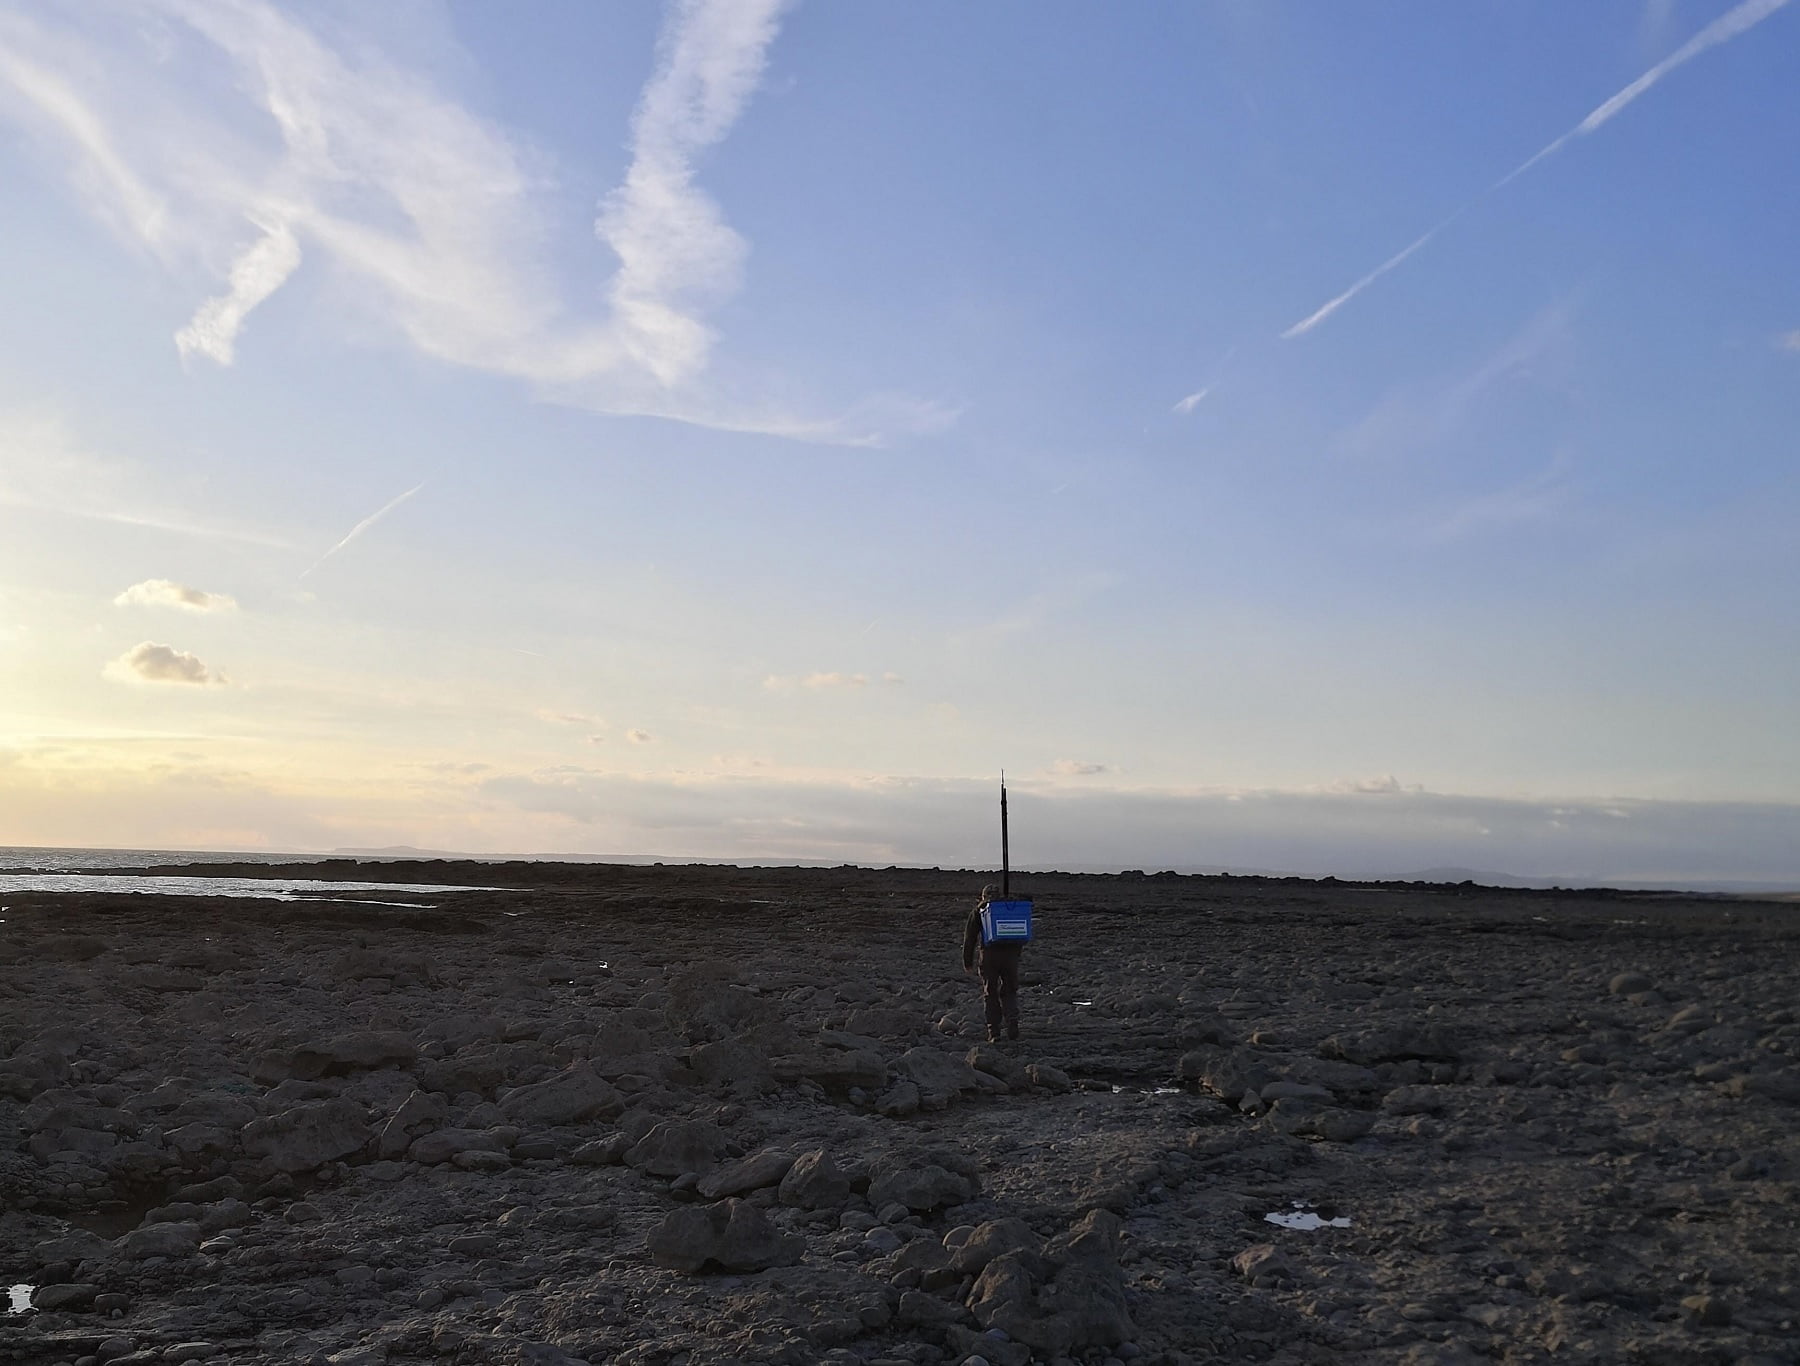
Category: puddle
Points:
column 1304, row 1216
column 20, row 1297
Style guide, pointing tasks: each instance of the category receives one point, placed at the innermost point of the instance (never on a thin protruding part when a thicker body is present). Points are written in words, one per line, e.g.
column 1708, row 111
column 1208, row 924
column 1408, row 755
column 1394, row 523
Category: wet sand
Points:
column 700, row 1115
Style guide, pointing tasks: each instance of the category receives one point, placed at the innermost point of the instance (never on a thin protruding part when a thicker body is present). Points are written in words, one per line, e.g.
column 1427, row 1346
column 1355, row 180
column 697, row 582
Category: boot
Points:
column 993, row 1036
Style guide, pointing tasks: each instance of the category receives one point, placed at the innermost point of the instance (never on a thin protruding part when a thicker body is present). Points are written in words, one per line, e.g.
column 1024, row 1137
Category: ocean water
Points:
column 75, row 870
column 46, row 860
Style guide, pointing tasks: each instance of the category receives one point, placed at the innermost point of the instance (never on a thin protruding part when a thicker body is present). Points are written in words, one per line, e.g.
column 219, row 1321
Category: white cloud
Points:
column 638, row 737
column 1074, row 768
column 828, row 680
column 234, row 140
column 1789, row 341
column 168, row 593
column 1192, row 401
column 149, row 662
column 263, row 268
column 568, row 718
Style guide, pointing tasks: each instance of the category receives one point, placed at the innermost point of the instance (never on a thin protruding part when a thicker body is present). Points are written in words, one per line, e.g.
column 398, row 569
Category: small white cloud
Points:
column 638, row 737
column 892, row 677
column 569, row 718
column 1074, row 768
column 1192, row 401
column 168, row 593
column 149, row 662
column 834, row 680
column 1789, row 341
column 596, row 739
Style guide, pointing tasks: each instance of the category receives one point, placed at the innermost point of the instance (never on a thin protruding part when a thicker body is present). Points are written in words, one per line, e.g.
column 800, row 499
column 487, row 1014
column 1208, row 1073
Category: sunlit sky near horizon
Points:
column 1344, row 438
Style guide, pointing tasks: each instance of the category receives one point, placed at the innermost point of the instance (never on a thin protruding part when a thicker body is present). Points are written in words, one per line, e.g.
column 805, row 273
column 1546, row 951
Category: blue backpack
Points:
column 1006, row 922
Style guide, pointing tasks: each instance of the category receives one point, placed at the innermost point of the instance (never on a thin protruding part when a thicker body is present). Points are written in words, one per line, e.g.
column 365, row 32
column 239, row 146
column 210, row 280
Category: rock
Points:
column 899, row 1100
column 833, row 1069
column 676, row 1147
column 1392, row 1043
column 996, row 1062
column 364, row 1050
column 601, row 1152
column 1630, row 984
column 1230, row 1074
column 939, row 1077
column 884, row 1022
column 994, row 1239
column 731, row 1234
column 160, row 1240
column 572, row 1095
column 733, row 1066
column 933, row 1181
column 444, row 1145
column 919, row 1310
column 1414, row 1100
column 308, row 1136
column 1265, row 1265
column 1705, row 1311
column 70, row 1295
column 1050, row 1078
column 814, row 1182
column 419, row 1113
column 1294, row 1090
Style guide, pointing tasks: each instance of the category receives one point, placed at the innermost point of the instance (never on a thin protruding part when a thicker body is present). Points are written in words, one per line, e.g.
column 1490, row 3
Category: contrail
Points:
column 363, row 526
column 1745, row 16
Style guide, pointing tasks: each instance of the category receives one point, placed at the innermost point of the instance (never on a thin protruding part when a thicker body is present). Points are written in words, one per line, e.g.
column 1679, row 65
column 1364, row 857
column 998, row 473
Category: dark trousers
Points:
column 999, row 967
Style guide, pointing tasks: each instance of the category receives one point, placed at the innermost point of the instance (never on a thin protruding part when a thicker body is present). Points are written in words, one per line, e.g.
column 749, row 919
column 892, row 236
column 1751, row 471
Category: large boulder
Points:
column 160, row 1240
column 731, row 1235
column 308, row 1136
column 676, row 1147
column 419, row 1113
column 756, row 1172
column 940, row 1077
column 572, row 1095
column 814, row 1182
column 929, row 1181
column 997, row 1062
column 991, row 1240
column 446, row 1145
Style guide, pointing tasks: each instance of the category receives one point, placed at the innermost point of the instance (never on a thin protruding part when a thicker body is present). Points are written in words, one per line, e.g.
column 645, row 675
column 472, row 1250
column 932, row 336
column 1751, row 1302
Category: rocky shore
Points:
column 689, row 1116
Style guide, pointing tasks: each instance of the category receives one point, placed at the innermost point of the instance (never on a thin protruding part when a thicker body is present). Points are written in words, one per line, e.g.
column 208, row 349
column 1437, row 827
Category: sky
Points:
column 1352, row 438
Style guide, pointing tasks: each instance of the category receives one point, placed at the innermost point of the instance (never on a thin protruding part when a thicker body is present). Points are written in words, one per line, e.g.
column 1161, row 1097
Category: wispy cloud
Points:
column 638, row 737
column 236, row 140
column 825, row 680
column 44, row 466
column 1789, row 341
column 1075, row 768
column 672, row 241
column 149, row 662
column 362, row 526
column 168, row 593
column 1192, row 401
column 1728, row 26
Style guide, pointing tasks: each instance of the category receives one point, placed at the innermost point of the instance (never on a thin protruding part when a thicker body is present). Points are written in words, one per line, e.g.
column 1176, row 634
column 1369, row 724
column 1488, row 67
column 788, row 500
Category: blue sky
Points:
column 740, row 429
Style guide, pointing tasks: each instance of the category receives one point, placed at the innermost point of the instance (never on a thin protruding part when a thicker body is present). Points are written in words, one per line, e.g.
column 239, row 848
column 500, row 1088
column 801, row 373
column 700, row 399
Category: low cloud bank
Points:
column 1384, row 832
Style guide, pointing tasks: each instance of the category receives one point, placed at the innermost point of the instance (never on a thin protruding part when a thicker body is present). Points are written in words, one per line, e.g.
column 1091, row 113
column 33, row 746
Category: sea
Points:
column 78, row 870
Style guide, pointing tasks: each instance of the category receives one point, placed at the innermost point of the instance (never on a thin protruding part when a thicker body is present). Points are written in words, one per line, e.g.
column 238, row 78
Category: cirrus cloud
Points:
column 150, row 662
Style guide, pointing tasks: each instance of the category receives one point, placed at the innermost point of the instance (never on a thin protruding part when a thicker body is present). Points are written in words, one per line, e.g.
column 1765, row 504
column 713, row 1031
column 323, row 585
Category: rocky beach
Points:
column 689, row 1116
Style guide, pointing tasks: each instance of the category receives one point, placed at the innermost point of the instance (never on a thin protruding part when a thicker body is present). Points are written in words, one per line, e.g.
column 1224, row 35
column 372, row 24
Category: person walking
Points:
column 998, row 964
